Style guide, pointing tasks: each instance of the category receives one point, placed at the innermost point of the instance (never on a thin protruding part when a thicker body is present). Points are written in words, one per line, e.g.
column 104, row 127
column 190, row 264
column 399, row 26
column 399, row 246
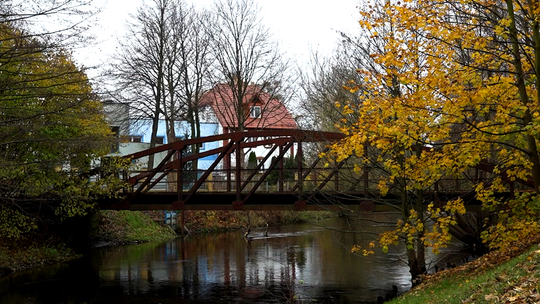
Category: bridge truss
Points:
column 311, row 183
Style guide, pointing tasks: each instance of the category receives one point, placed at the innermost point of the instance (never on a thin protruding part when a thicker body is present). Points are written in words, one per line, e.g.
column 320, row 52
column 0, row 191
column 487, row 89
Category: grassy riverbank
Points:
column 107, row 227
column 120, row 227
column 510, row 277
column 33, row 251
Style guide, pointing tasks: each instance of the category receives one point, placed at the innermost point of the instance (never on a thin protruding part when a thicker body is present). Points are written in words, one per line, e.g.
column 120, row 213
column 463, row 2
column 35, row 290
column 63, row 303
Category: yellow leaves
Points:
column 419, row 94
column 505, row 22
column 351, row 89
column 365, row 24
column 365, row 251
column 383, row 187
column 347, row 110
column 388, row 238
column 516, row 221
column 413, row 232
column 456, row 206
column 439, row 235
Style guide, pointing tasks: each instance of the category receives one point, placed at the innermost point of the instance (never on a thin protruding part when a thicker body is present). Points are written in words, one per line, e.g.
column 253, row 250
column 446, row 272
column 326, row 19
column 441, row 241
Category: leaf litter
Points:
column 519, row 284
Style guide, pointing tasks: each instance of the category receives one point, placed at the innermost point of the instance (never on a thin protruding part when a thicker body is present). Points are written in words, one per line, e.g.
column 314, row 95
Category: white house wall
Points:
column 182, row 129
column 143, row 128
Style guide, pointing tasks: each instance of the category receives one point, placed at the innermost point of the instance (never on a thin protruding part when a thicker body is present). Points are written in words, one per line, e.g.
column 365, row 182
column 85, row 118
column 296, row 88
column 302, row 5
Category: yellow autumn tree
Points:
column 457, row 90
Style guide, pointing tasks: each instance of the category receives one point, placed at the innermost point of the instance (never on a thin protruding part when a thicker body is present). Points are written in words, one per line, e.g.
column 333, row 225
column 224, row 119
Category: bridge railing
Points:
column 229, row 173
column 218, row 181
column 344, row 179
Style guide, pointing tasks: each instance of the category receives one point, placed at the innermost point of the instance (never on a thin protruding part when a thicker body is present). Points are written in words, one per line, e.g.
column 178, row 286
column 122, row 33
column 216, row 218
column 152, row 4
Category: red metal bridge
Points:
column 228, row 183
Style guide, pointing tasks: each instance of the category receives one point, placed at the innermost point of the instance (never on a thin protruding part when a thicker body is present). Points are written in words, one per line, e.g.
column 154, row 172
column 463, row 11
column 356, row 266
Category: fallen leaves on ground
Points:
column 522, row 289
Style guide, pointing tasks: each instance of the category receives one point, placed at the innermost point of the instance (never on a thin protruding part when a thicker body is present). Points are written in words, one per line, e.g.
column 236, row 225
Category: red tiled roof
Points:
column 274, row 115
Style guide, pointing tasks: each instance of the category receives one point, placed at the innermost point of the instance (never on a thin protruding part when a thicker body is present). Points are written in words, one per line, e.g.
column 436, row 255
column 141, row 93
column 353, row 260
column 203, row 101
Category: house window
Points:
column 160, row 140
column 255, row 112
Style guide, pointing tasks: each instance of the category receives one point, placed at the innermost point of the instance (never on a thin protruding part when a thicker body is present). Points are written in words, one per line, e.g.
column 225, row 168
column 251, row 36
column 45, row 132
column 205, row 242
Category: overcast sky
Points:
column 298, row 25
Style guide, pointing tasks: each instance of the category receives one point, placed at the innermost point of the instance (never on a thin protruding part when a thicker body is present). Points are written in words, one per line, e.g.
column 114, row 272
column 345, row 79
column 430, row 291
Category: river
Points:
column 307, row 263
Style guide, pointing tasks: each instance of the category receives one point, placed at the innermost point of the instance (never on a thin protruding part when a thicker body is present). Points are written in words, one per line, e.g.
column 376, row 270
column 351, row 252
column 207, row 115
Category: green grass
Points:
column 516, row 280
column 14, row 258
column 130, row 226
column 42, row 249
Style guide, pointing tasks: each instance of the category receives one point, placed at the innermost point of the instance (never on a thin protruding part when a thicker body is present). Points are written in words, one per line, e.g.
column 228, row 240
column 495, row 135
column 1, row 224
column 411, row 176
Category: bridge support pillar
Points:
column 180, row 205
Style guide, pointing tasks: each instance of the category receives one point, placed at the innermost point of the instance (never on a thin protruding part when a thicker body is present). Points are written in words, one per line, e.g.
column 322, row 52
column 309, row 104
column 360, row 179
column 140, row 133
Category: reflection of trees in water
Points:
column 199, row 268
column 305, row 263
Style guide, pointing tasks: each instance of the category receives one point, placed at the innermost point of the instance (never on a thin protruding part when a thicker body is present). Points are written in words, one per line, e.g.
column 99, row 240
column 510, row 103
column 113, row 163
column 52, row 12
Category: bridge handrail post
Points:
column 227, row 161
column 300, row 156
column 238, row 177
column 336, row 178
column 280, row 175
column 179, row 177
column 366, row 181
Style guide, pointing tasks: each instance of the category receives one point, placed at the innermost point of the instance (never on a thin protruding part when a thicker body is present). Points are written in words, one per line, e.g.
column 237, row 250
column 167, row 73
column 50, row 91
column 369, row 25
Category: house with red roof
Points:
column 258, row 110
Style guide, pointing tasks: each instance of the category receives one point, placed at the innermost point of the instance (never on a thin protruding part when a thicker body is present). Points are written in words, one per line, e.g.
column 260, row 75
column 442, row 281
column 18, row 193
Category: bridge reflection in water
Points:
column 311, row 183
column 301, row 262
column 308, row 263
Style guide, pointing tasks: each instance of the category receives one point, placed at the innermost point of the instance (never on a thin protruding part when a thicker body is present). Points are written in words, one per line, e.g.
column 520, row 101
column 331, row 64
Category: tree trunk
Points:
column 417, row 256
column 171, row 137
column 420, row 248
column 520, row 82
column 155, row 122
column 193, row 117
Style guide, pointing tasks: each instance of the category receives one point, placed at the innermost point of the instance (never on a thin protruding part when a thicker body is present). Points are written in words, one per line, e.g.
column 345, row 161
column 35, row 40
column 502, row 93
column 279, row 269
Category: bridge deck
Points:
column 268, row 201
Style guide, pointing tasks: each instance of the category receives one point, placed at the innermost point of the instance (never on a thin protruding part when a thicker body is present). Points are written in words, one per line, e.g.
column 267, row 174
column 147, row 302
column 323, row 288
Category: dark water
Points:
column 308, row 263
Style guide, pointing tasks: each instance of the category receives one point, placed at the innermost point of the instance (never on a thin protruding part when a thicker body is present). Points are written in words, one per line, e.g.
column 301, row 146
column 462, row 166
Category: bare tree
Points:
column 326, row 80
column 322, row 86
column 59, row 23
column 247, row 61
column 162, row 65
column 193, row 64
column 141, row 66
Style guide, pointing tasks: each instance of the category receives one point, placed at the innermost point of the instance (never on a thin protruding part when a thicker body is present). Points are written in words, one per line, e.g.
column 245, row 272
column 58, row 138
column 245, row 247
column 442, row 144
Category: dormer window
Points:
column 255, row 112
